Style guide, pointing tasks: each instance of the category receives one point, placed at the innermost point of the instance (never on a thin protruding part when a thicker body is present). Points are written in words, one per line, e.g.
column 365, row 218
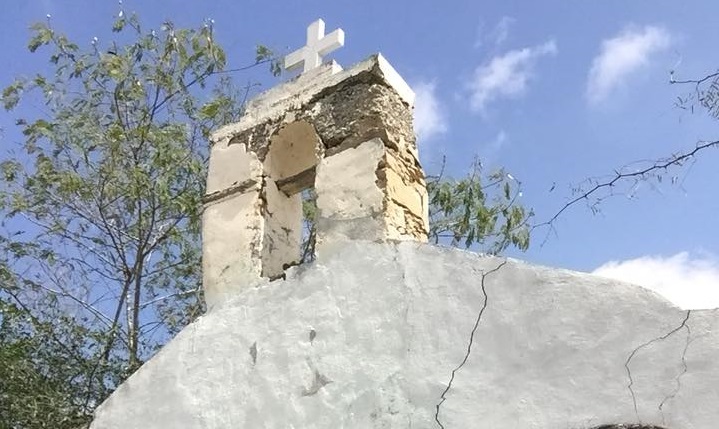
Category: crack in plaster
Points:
column 685, row 369
column 443, row 396
column 647, row 344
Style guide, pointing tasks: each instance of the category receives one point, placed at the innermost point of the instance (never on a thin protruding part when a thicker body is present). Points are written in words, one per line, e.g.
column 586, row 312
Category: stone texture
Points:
column 282, row 230
column 369, row 335
column 406, row 206
column 313, row 132
column 357, row 195
column 359, row 112
column 276, row 102
column 294, row 149
column 230, row 165
column 235, row 231
column 351, row 207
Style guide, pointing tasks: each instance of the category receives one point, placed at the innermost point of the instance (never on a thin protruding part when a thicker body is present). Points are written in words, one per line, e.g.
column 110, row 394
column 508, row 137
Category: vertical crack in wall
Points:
column 684, row 370
column 443, row 396
column 644, row 345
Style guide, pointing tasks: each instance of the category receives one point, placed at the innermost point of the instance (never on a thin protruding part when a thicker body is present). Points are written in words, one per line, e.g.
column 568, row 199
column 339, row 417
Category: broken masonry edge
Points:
column 275, row 102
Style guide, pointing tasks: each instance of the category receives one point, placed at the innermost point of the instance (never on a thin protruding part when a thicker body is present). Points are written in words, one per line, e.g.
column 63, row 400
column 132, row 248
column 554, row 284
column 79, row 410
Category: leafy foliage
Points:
column 705, row 94
column 471, row 211
column 102, row 207
column 309, row 225
column 41, row 385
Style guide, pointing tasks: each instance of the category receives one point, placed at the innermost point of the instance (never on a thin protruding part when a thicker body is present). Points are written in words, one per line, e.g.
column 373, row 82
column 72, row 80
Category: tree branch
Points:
column 619, row 176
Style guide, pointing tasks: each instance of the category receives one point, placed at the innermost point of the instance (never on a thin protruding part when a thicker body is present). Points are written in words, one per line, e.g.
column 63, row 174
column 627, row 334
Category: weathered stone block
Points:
column 405, row 194
column 347, row 183
column 349, row 201
column 361, row 112
column 295, row 148
column 347, row 135
column 231, row 165
column 232, row 231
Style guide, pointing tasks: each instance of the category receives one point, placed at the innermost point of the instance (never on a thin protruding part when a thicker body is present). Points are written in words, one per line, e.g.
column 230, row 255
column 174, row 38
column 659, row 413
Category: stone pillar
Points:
column 346, row 134
column 378, row 198
column 231, row 222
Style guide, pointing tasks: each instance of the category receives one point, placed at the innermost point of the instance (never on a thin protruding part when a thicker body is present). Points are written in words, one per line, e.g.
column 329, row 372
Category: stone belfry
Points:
column 346, row 134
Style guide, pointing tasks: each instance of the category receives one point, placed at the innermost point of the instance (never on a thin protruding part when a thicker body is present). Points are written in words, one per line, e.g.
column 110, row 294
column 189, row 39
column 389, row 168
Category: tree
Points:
column 479, row 212
column 101, row 203
column 39, row 365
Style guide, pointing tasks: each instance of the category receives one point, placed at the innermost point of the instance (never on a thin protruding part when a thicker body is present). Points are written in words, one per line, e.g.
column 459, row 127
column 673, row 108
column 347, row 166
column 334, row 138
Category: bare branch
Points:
column 621, row 176
column 172, row 295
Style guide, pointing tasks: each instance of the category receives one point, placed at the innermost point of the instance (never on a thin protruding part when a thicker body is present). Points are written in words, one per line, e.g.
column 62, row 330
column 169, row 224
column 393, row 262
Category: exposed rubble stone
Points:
column 347, row 135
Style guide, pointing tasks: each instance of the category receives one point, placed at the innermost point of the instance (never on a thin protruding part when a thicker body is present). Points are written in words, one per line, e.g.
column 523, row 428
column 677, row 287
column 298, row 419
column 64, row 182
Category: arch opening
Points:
column 290, row 169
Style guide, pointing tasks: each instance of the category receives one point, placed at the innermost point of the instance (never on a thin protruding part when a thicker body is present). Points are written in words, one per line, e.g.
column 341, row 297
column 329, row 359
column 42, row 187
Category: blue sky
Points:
column 553, row 91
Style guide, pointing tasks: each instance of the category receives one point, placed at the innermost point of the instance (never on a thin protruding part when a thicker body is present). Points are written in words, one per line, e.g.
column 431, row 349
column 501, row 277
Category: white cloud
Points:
column 621, row 56
column 429, row 116
column 689, row 282
column 506, row 75
column 501, row 30
column 498, row 35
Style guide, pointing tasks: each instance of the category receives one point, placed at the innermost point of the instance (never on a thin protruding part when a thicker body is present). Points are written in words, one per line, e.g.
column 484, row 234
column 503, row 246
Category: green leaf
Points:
column 10, row 170
column 262, row 53
column 11, row 94
column 119, row 24
column 42, row 35
column 210, row 109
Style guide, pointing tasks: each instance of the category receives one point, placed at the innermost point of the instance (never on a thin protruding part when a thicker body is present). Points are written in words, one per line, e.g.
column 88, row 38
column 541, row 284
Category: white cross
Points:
column 317, row 46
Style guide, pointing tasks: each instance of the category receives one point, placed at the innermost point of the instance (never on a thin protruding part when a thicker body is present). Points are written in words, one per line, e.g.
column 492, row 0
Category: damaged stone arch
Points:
column 346, row 134
column 290, row 168
column 252, row 223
